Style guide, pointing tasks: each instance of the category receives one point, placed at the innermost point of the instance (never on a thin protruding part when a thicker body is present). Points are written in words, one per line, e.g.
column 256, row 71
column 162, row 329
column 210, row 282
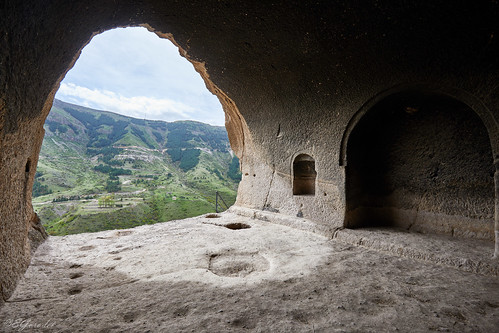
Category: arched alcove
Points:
column 422, row 162
column 304, row 175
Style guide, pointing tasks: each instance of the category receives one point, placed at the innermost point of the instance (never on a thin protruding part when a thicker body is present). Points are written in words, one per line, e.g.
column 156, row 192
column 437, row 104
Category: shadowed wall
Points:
column 422, row 162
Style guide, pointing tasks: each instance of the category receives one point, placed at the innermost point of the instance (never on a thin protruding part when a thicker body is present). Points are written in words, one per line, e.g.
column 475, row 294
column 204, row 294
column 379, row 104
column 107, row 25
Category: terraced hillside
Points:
column 99, row 170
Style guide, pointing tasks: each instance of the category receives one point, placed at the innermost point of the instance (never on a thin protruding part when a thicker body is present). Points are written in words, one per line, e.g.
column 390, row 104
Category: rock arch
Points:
column 485, row 114
column 22, row 117
column 420, row 159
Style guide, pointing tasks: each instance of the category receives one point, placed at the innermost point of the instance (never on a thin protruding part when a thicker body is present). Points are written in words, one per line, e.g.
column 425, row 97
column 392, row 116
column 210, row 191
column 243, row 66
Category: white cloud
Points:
column 133, row 72
column 137, row 106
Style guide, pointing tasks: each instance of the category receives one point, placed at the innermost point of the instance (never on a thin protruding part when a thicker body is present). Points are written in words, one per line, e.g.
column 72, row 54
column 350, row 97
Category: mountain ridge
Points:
column 88, row 153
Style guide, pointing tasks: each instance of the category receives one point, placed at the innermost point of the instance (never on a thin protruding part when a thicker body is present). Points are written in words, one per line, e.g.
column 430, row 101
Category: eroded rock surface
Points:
column 295, row 78
column 197, row 275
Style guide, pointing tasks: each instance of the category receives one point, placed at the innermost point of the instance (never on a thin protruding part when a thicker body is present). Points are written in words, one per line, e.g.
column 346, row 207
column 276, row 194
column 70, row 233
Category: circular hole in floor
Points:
column 237, row 264
column 74, row 290
column 237, row 226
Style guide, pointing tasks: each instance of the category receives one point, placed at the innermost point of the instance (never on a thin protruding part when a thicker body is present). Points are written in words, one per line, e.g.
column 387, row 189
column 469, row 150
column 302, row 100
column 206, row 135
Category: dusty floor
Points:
column 196, row 275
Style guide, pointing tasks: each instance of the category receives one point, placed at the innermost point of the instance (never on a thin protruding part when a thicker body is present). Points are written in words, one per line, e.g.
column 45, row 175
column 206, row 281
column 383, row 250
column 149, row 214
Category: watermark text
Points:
column 20, row 324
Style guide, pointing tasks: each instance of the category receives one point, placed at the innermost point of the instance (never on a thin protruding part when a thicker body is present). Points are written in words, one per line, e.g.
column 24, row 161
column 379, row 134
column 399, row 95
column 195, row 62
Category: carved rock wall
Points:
column 423, row 162
column 293, row 75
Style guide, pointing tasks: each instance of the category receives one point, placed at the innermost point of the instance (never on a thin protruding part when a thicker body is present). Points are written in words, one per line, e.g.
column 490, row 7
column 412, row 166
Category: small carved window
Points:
column 304, row 175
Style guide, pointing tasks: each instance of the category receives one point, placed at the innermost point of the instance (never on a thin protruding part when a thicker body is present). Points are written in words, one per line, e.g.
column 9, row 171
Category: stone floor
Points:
column 237, row 274
column 470, row 255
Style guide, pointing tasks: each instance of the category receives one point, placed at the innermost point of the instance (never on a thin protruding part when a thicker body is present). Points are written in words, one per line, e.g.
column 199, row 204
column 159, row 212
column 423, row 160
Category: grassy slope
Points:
column 163, row 192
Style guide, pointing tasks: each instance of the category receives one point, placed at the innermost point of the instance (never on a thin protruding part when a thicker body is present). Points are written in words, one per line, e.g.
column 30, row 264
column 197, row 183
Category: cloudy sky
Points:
column 134, row 72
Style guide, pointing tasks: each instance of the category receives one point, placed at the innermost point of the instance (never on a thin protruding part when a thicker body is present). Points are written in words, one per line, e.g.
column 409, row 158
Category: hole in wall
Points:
column 27, row 168
column 415, row 159
column 304, row 175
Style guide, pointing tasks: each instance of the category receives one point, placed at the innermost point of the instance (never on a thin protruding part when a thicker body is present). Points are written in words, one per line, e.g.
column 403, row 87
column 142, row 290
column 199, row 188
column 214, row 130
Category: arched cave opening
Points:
column 421, row 162
column 146, row 161
column 304, row 175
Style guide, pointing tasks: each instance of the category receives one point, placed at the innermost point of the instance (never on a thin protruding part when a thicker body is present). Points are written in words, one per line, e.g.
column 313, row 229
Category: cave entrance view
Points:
column 421, row 162
column 160, row 154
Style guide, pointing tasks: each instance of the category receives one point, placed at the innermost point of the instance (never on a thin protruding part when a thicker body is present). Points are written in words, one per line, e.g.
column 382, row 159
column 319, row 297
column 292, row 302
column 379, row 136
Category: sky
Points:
column 133, row 72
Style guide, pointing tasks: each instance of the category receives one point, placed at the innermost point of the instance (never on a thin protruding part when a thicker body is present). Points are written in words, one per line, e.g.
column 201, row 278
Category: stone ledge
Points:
column 285, row 220
column 468, row 255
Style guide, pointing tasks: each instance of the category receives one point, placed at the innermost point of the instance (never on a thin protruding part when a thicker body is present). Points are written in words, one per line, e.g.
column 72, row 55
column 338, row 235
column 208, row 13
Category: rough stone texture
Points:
column 406, row 167
column 17, row 219
column 196, row 275
column 464, row 254
column 295, row 77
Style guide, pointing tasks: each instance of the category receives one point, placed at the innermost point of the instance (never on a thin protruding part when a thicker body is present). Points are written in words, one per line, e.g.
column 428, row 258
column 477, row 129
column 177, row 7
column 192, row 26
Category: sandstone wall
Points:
column 294, row 77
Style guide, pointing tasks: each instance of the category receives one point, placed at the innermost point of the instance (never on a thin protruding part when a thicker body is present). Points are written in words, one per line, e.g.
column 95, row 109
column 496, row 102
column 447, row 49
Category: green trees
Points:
column 112, row 171
column 175, row 154
column 234, row 172
column 55, row 126
column 178, row 136
column 106, row 201
column 113, row 184
column 39, row 189
column 182, row 133
column 188, row 158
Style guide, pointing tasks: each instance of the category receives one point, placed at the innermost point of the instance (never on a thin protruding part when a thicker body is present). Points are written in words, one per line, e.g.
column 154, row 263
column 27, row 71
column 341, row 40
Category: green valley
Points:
column 100, row 170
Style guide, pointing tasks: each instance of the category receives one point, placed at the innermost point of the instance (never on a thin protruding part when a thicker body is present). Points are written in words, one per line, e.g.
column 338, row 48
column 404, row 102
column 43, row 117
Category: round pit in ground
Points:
column 237, row 226
column 237, row 264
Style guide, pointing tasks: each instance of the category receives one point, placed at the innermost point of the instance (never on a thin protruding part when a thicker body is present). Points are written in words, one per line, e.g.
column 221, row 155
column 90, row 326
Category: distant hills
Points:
column 150, row 171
